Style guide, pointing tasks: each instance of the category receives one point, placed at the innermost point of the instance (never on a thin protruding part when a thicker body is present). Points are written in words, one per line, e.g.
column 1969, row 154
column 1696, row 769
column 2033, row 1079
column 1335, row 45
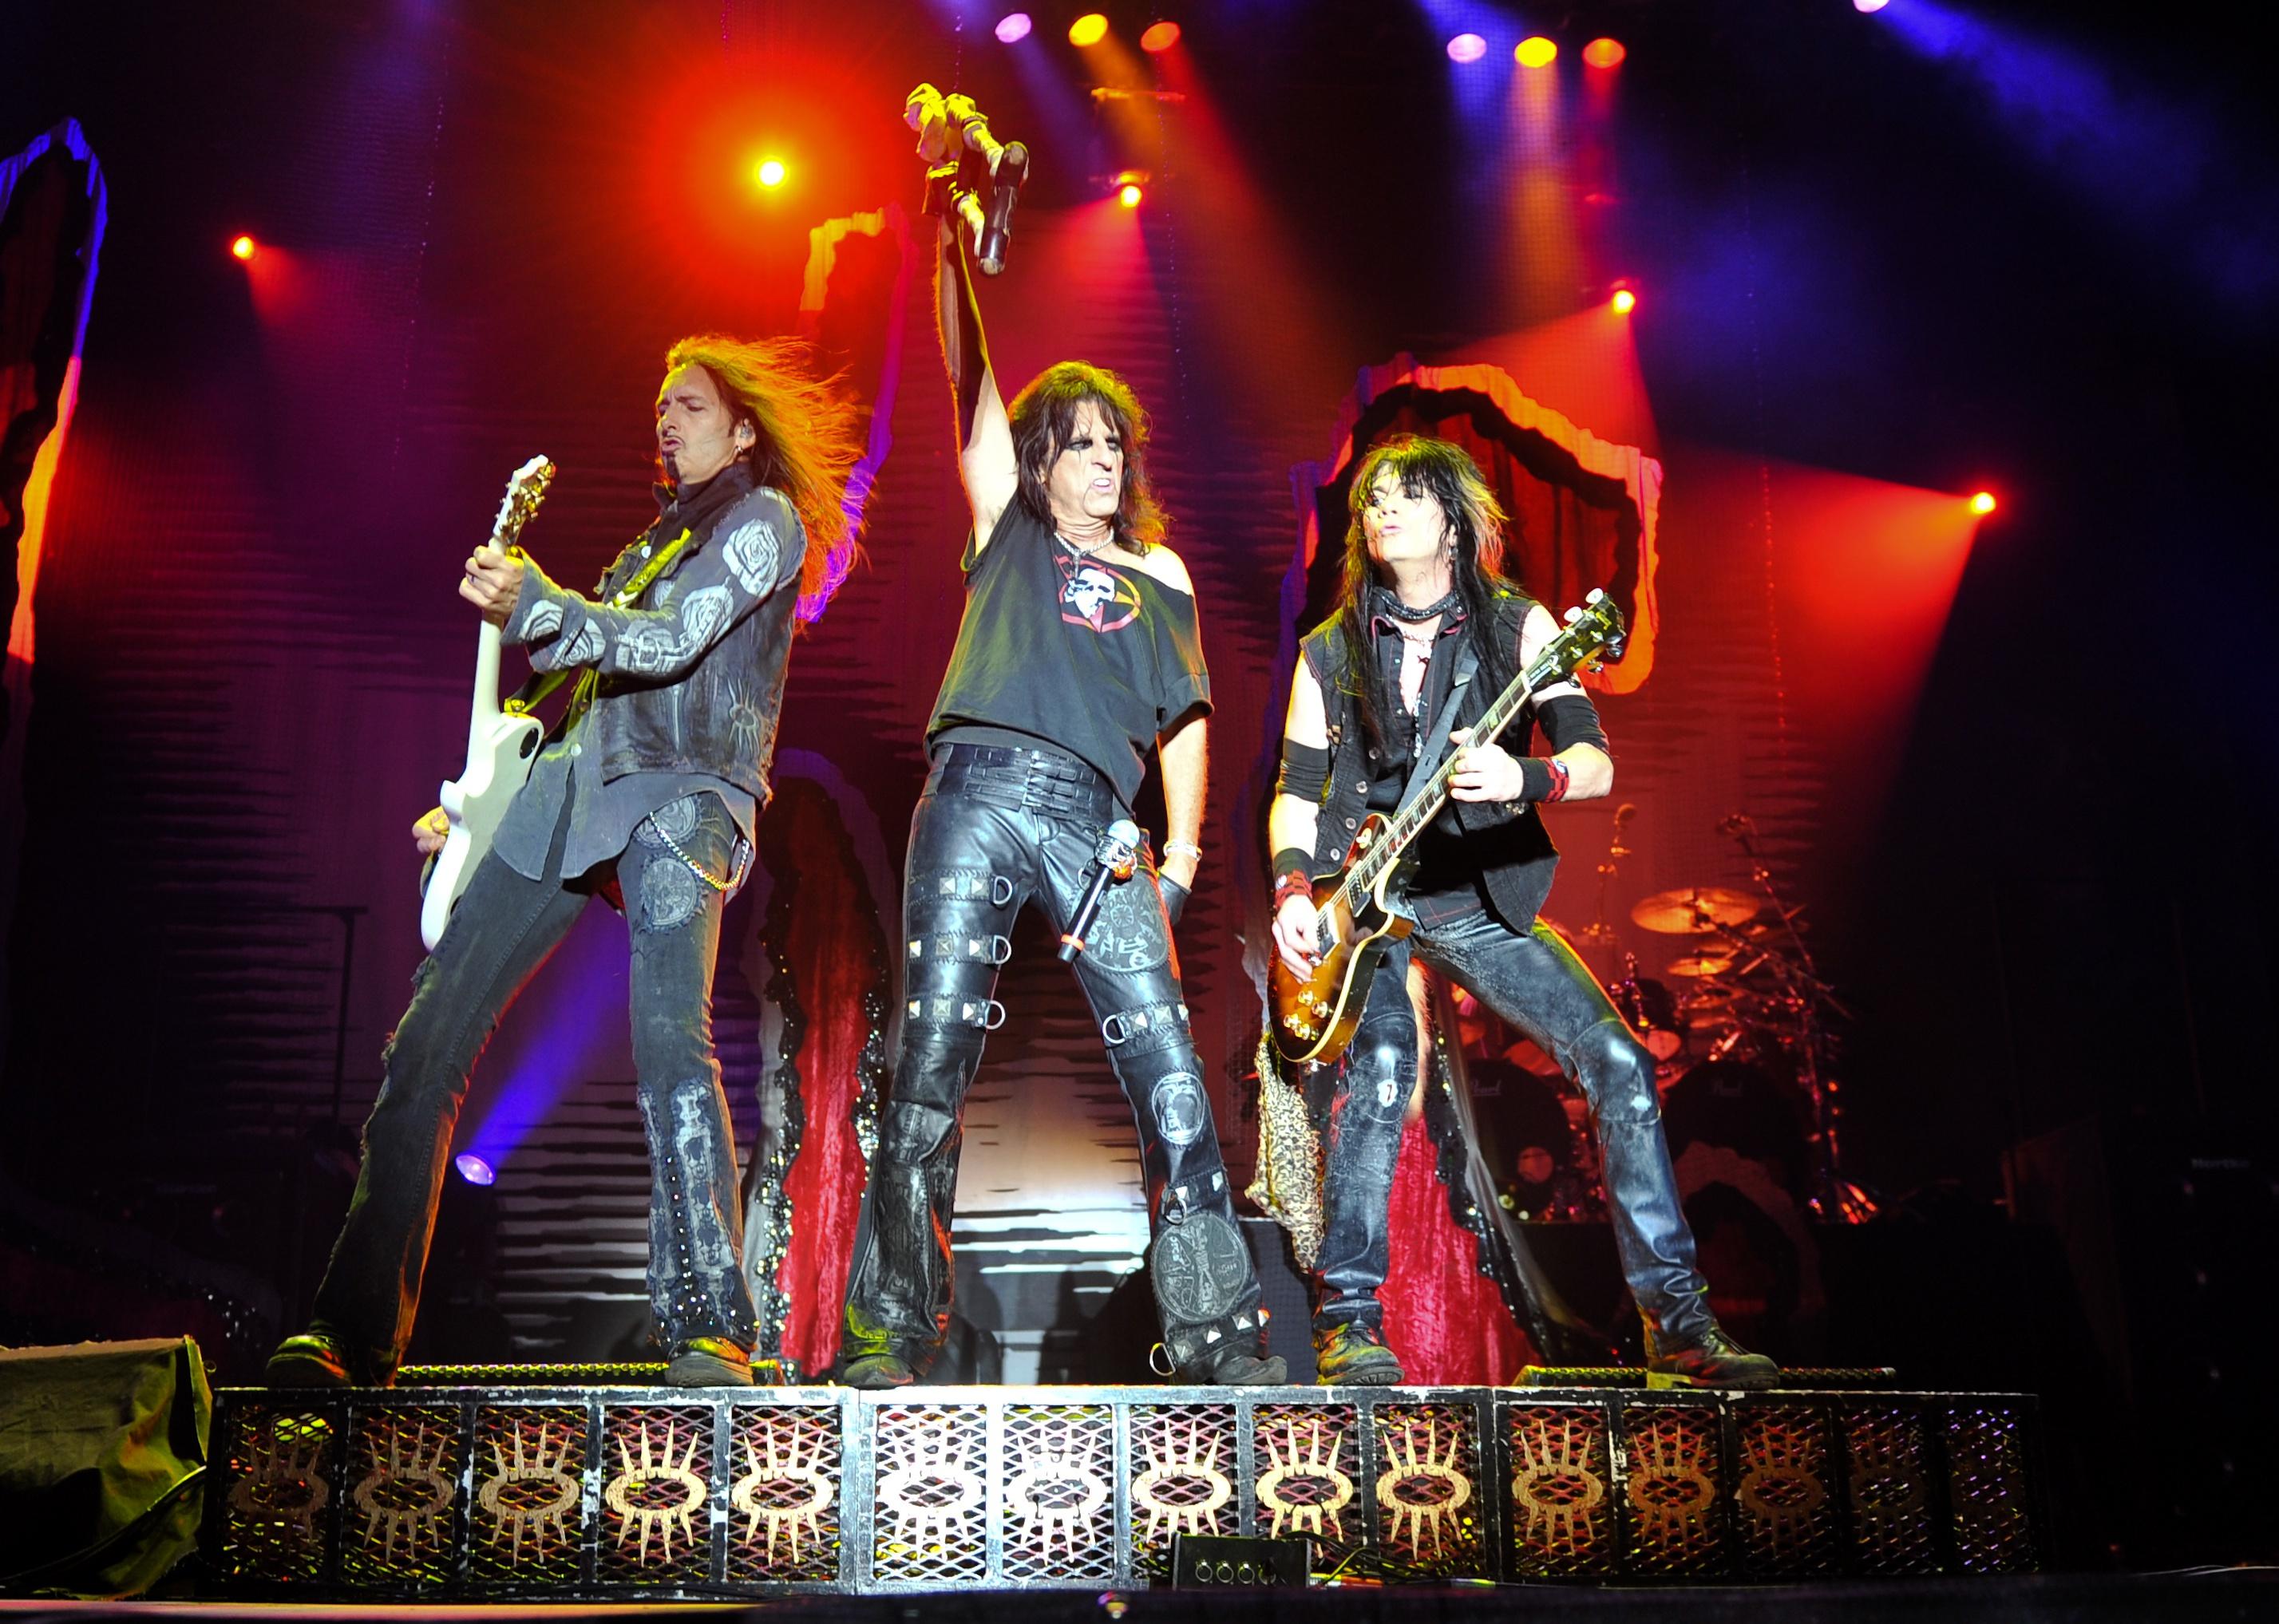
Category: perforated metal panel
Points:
column 647, row 1492
column 1562, row 1502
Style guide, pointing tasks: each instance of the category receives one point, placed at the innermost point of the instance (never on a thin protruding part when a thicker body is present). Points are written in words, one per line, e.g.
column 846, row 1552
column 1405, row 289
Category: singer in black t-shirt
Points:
column 1079, row 653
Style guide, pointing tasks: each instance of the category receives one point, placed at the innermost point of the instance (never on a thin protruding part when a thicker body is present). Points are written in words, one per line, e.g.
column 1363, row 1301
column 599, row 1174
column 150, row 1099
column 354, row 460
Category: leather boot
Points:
column 1352, row 1353
column 1705, row 1357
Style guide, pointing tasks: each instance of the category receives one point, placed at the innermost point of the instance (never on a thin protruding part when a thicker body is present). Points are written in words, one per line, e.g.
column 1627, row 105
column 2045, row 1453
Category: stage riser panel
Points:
column 629, row 1492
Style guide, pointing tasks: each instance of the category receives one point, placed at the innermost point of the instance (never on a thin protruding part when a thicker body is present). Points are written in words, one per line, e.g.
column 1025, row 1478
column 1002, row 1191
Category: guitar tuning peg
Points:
column 1596, row 595
column 1573, row 615
column 1595, row 667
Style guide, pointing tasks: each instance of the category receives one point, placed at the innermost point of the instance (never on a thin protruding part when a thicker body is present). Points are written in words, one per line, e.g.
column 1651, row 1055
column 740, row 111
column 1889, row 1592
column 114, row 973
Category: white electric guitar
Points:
column 502, row 744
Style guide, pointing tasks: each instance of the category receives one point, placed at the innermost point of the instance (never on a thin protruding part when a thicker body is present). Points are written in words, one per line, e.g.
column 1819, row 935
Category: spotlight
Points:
column 1625, row 301
column 769, row 172
column 1129, row 194
column 1535, row 52
column 1604, row 53
column 1089, row 29
column 244, row 248
column 1466, row 47
column 1012, row 27
column 1160, row 36
column 1982, row 503
column 1870, row 5
column 474, row 1169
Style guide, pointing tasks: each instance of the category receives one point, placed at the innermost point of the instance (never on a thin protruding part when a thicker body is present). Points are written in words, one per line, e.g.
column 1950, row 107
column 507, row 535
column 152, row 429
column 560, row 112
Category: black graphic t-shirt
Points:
column 1091, row 655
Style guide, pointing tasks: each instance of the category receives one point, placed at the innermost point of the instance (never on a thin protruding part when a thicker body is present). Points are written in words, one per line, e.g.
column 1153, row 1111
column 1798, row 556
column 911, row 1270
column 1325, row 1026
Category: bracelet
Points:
column 1544, row 779
column 1183, row 848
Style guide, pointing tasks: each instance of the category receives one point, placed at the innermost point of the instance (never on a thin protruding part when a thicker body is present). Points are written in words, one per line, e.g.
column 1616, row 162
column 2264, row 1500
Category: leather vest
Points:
column 1511, row 847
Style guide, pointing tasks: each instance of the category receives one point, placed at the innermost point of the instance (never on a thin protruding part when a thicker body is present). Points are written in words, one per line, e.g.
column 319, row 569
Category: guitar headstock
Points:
column 1594, row 634
column 524, row 490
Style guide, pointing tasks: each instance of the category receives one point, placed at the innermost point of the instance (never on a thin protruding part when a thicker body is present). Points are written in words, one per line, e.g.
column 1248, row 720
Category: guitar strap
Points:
column 541, row 683
column 1436, row 742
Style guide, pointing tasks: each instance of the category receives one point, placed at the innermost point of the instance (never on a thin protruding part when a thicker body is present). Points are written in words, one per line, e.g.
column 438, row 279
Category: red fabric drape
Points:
column 1444, row 1318
column 833, row 951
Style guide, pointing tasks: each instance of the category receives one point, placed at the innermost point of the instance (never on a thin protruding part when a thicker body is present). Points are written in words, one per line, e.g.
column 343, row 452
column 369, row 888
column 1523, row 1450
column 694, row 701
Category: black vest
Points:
column 1511, row 847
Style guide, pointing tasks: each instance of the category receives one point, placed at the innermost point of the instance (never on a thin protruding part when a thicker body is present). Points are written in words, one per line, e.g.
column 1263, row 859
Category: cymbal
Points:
column 1691, row 910
column 1696, row 964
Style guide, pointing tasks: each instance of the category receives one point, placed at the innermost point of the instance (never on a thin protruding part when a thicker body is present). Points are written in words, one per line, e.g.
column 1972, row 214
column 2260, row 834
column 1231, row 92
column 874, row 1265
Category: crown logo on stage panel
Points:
column 282, row 1483
column 1056, row 1493
column 1181, row 1488
column 656, row 1493
column 407, row 1494
column 530, row 1494
column 931, row 1490
column 785, row 1487
column 1556, row 1485
column 1305, row 1486
column 1423, row 1489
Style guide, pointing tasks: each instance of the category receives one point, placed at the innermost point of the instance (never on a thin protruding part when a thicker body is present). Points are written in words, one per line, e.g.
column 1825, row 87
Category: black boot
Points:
column 1352, row 1353
column 315, row 1360
column 1705, row 1357
column 1239, row 1367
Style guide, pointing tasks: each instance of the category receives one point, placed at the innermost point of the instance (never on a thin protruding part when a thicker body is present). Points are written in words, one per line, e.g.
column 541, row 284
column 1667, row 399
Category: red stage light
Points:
column 1160, row 36
column 1012, row 27
column 1535, row 52
column 769, row 172
column 1129, row 195
column 1466, row 47
column 1604, row 53
column 244, row 248
column 1625, row 301
column 1982, row 503
column 1089, row 29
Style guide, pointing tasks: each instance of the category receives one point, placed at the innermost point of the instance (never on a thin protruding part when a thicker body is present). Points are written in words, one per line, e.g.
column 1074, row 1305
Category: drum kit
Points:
column 1740, row 1031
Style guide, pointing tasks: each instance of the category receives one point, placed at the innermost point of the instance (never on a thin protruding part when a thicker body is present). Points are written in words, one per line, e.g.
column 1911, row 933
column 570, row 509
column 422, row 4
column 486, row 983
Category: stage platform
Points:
column 626, row 1493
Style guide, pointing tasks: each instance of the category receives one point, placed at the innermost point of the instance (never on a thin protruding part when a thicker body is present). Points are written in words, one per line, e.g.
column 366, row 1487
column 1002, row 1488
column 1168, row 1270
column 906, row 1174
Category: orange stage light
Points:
column 1129, row 196
column 769, row 171
column 1089, row 29
column 1625, row 301
column 1160, row 36
column 244, row 248
column 1982, row 503
column 1604, row 53
column 1535, row 52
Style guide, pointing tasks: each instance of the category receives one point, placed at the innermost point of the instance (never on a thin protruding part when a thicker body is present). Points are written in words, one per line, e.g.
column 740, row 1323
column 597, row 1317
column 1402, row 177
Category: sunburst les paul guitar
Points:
column 502, row 744
column 1313, row 1018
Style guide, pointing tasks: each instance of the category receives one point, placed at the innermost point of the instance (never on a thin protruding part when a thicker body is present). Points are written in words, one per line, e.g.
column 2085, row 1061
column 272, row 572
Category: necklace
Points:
column 1391, row 605
column 1086, row 552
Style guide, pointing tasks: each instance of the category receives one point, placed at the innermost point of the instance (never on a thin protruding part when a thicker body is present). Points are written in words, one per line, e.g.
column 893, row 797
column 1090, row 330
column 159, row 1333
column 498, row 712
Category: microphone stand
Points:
column 1835, row 1199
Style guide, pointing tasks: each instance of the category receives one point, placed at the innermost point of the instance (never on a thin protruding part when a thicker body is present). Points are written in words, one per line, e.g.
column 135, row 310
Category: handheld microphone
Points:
column 1011, row 169
column 1118, row 852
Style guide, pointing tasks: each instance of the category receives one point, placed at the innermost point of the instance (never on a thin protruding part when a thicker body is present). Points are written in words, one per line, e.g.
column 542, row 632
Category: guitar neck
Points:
column 1413, row 819
column 485, row 708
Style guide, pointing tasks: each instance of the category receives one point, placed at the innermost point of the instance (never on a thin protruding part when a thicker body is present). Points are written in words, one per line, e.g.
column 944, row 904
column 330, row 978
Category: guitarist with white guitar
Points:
column 645, row 794
column 1426, row 639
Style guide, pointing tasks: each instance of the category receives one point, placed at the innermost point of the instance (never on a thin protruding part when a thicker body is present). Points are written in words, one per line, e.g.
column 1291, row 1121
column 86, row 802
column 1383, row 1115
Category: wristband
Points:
column 1543, row 779
column 1289, row 876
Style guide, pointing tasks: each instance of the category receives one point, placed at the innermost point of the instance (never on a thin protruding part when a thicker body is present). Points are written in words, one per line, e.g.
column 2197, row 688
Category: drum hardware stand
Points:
column 1835, row 1199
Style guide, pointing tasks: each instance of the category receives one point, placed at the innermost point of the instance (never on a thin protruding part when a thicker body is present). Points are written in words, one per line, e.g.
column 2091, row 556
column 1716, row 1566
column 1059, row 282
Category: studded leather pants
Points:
column 1535, row 983
column 997, row 829
column 503, row 930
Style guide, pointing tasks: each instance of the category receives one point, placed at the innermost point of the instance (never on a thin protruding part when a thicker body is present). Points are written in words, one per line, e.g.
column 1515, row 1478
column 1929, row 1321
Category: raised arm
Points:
column 985, row 436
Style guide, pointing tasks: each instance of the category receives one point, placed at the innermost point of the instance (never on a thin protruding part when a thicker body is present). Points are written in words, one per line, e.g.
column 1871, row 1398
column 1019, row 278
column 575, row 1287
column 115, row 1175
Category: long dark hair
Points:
column 809, row 429
column 1448, row 474
column 1044, row 416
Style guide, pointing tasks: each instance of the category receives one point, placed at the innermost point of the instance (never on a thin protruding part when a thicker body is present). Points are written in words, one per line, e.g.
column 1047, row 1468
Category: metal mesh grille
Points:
column 1428, row 1490
column 1561, row 1512
column 929, row 1508
column 401, row 1528
column 1304, row 1459
column 1892, row 1527
column 783, row 1504
column 1671, row 1486
column 527, row 1518
column 1059, row 1477
column 1993, row 1532
column 1787, row 1515
column 657, row 1494
column 278, row 1466
column 1183, row 1478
